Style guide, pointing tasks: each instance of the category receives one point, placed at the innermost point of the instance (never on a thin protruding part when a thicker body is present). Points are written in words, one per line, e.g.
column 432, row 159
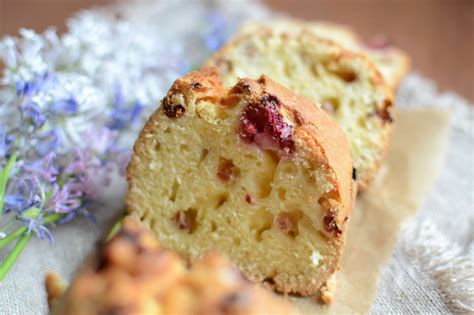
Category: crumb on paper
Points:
column 328, row 290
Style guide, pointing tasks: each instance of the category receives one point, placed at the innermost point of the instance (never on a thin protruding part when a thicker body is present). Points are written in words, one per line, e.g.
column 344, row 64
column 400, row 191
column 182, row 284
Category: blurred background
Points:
column 437, row 34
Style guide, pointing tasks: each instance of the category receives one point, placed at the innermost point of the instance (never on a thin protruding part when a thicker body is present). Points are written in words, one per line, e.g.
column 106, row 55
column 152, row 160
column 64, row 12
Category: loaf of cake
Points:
column 133, row 274
column 254, row 172
column 346, row 84
column 392, row 62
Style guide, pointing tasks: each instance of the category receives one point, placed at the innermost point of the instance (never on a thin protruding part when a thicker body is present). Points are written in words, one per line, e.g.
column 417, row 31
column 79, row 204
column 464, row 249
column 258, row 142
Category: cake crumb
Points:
column 328, row 290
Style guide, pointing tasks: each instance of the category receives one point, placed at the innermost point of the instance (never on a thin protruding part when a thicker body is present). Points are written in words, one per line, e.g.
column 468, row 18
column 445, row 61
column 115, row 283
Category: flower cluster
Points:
column 98, row 81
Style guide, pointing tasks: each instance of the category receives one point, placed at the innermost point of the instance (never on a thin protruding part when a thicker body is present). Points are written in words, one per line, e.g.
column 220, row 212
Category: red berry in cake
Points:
column 283, row 222
column 330, row 223
column 262, row 124
column 227, row 171
column 249, row 199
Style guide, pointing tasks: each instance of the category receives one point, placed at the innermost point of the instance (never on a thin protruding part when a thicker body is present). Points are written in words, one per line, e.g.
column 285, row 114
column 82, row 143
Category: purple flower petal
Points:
column 123, row 116
column 43, row 231
column 68, row 218
column 60, row 200
column 4, row 142
column 24, row 197
column 43, row 168
column 64, row 106
column 34, row 113
column 30, row 88
column 49, row 141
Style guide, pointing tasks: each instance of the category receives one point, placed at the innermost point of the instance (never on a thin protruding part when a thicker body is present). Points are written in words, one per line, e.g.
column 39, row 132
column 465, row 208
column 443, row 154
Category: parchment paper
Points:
column 413, row 162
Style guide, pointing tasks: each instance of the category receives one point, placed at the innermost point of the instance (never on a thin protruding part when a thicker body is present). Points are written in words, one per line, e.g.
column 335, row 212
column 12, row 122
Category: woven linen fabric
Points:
column 432, row 267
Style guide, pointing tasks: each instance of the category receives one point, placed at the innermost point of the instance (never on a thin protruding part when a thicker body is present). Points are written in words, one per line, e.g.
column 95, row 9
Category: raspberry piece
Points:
column 249, row 199
column 284, row 223
column 330, row 223
column 262, row 124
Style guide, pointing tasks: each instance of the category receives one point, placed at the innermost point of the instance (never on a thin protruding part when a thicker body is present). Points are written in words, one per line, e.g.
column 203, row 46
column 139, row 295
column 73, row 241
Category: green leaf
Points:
column 13, row 255
column 4, row 177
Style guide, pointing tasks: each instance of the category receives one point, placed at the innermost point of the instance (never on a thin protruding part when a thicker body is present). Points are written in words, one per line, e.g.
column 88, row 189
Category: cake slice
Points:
column 254, row 172
column 392, row 62
column 133, row 274
column 346, row 84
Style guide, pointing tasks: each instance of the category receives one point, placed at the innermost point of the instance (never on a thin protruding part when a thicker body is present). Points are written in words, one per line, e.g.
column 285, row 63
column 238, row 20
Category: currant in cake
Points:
column 133, row 274
column 346, row 84
column 254, row 172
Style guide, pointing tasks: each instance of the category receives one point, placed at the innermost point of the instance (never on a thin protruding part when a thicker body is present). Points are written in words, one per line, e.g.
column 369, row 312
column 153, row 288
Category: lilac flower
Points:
column 64, row 106
column 5, row 142
column 82, row 168
column 43, row 168
column 24, row 196
column 65, row 199
column 103, row 140
column 118, row 95
column 34, row 113
column 30, row 88
column 81, row 162
column 84, row 185
column 48, row 141
column 41, row 231
column 123, row 116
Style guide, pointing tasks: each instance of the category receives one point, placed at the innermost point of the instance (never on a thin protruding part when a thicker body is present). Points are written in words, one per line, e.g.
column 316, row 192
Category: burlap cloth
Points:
column 427, row 268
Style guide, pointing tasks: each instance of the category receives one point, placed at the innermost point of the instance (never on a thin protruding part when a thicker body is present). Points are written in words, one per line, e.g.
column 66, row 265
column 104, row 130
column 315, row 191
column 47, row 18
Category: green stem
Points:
column 13, row 256
column 115, row 229
column 4, row 176
column 50, row 218
column 12, row 236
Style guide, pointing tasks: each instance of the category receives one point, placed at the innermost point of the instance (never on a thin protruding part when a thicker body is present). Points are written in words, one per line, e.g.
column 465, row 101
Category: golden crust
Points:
column 319, row 138
column 338, row 56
